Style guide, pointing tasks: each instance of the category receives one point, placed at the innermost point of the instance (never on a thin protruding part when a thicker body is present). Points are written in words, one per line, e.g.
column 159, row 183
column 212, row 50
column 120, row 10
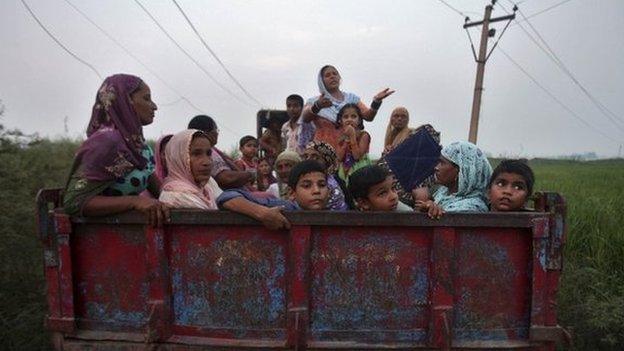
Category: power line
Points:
column 544, row 10
column 453, row 8
column 553, row 57
column 214, row 54
column 129, row 53
column 110, row 37
column 189, row 55
column 59, row 42
column 552, row 96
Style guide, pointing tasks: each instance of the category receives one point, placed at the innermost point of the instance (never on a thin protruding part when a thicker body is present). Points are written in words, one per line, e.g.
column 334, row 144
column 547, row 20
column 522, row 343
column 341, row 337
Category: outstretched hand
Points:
column 383, row 94
column 273, row 219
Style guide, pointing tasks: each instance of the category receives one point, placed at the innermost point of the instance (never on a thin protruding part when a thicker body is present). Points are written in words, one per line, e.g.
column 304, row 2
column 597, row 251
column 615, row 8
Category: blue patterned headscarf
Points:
column 473, row 178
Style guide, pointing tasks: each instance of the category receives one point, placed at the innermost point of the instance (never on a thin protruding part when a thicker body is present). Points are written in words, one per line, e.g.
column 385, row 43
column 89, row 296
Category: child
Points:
column 248, row 147
column 353, row 142
column 309, row 183
column 283, row 164
column 372, row 190
column 265, row 175
column 290, row 129
column 510, row 186
column 189, row 163
column 270, row 141
column 324, row 153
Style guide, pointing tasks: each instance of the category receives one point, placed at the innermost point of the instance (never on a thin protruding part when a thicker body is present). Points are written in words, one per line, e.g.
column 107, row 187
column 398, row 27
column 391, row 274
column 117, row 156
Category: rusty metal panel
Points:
column 111, row 277
column 369, row 284
column 229, row 282
column 492, row 285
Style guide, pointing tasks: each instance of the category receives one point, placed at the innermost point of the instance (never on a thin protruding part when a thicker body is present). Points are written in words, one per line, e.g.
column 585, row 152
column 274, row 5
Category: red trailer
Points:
column 218, row 280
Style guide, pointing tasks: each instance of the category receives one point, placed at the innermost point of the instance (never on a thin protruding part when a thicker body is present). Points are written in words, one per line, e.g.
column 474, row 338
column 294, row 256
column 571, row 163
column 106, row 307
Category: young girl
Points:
column 353, row 143
column 189, row 164
column 265, row 175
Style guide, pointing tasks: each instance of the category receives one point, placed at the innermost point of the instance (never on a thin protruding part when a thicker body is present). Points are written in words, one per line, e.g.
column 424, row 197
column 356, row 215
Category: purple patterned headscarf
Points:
column 115, row 134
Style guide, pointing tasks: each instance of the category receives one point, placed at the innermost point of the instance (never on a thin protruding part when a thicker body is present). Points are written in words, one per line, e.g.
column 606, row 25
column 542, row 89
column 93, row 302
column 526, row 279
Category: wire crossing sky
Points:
column 555, row 89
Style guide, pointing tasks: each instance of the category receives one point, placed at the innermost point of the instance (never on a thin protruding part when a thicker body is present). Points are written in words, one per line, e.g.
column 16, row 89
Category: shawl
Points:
column 180, row 177
column 391, row 141
column 331, row 113
column 115, row 134
column 473, row 177
column 327, row 153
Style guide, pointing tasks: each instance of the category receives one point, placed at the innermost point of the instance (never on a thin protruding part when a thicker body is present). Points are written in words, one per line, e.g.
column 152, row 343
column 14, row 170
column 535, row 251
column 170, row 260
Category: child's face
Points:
column 283, row 170
column 311, row 192
column 293, row 109
column 350, row 117
column 264, row 167
column 446, row 172
column 201, row 162
column 249, row 149
column 311, row 154
column 508, row 192
column 381, row 197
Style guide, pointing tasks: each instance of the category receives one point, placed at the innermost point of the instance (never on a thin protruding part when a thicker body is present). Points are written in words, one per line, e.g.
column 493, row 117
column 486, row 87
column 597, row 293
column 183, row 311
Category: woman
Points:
column 463, row 174
column 396, row 133
column 115, row 164
column 189, row 163
column 323, row 110
column 324, row 153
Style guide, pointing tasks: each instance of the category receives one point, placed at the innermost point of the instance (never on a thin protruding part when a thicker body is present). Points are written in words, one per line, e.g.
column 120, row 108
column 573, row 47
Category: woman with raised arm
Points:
column 323, row 109
column 115, row 164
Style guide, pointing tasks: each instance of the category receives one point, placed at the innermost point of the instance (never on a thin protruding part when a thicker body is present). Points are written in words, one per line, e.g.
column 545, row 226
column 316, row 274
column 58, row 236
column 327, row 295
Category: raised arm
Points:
column 228, row 179
column 310, row 111
column 369, row 113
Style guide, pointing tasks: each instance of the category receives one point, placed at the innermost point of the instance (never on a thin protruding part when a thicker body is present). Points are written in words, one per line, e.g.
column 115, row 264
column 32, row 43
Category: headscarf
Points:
column 288, row 155
column 327, row 153
column 401, row 135
column 180, row 177
column 330, row 113
column 473, row 177
column 160, row 170
column 115, row 134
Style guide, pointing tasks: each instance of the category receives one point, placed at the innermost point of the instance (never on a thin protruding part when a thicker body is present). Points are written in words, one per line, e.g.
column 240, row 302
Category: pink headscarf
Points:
column 180, row 178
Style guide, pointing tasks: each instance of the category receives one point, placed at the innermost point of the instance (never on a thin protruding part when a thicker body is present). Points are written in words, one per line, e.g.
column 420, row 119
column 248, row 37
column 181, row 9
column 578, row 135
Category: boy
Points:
column 371, row 187
column 290, row 129
column 248, row 147
column 309, row 183
column 510, row 186
column 283, row 164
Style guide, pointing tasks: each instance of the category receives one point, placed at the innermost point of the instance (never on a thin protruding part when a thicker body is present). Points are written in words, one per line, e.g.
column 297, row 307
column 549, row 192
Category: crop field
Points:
column 590, row 301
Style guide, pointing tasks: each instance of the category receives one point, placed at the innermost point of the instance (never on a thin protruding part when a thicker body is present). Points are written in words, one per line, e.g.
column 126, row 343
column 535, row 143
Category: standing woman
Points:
column 323, row 110
column 115, row 164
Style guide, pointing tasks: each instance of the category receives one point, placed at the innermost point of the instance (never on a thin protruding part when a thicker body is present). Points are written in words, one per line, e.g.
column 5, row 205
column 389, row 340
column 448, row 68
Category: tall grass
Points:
column 591, row 298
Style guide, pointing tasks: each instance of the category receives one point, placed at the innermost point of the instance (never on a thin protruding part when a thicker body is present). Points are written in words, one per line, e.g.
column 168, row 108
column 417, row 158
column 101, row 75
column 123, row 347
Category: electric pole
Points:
column 486, row 33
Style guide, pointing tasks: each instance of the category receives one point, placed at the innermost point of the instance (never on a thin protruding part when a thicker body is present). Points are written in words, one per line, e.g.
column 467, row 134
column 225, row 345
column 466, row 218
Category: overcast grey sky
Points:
column 275, row 48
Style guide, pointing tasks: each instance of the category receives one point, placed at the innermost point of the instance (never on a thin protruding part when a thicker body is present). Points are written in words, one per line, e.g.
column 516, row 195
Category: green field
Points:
column 591, row 298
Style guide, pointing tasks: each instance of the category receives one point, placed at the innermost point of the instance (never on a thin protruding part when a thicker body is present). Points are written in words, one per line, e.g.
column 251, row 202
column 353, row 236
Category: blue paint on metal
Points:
column 362, row 285
column 104, row 312
column 235, row 284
